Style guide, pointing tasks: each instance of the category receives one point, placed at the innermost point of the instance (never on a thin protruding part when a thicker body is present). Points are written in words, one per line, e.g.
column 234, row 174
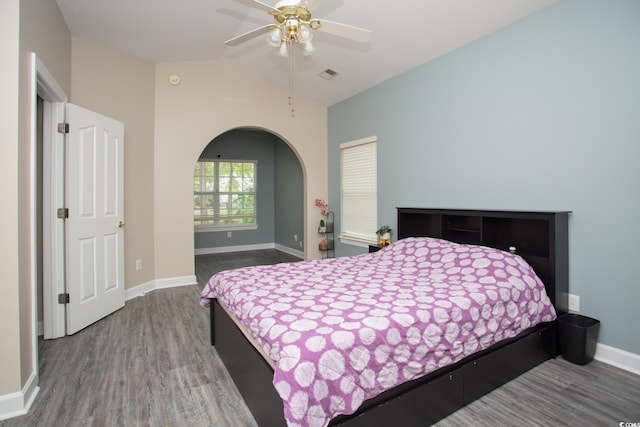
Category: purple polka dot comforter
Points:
column 343, row 330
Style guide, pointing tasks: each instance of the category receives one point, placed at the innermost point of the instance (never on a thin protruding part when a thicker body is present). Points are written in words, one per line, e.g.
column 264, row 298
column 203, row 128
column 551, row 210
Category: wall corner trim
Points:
column 288, row 250
column 18, row 403
column 171, row 282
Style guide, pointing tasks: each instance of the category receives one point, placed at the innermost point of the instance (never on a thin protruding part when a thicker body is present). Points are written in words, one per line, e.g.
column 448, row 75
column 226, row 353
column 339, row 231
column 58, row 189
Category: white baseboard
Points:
column 16, row 404
column 172, row 282
column 141, row 290
column 290, row 251
column 619, row 358
column 243, row 248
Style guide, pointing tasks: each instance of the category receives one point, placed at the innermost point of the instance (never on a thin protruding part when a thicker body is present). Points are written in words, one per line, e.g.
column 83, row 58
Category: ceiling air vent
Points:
column 328, row 74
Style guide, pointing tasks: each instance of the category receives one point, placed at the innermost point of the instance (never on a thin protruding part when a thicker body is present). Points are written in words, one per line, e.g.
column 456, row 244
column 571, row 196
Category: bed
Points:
column 463, row 302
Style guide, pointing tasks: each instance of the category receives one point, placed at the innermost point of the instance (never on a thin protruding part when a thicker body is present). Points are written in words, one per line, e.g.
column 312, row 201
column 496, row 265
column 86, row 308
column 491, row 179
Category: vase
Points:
column 385, row 239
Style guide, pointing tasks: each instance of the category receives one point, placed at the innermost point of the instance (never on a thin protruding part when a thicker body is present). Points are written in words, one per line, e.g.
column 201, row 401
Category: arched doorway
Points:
column 279, row 198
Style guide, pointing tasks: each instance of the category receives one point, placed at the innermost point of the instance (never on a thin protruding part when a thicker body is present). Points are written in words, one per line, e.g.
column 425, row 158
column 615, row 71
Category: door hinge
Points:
column 63, row 128
column 63, row 213
column 63, row 298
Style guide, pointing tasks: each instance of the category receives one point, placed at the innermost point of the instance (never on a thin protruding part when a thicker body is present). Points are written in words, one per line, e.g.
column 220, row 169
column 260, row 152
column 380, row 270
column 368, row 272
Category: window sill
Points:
column 362, row 243
column 222, row 228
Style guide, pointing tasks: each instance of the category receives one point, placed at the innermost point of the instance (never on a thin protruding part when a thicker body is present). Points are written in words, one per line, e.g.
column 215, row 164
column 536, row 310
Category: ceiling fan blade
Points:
column 248, row 36
column 343, row 30
column 311, row 4
column 259, row 5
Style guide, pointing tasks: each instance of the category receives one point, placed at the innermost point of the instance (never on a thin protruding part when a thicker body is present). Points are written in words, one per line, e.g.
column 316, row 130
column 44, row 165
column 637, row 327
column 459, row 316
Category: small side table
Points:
column 374, row 248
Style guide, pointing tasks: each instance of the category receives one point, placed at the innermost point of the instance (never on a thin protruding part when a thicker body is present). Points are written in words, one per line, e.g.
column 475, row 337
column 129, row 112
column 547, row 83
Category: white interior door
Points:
column 95, row 227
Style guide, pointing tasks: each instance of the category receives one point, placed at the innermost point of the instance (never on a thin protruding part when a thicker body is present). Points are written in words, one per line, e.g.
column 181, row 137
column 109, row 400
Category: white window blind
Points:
column 359, row 192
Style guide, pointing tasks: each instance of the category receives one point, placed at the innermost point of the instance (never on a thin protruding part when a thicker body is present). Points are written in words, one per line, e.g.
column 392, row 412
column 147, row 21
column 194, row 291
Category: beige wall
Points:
column 161, row 149
column 122, row 87
column 43, row 31
column 213, row 98
column 25, row 26
column 166, row 128
column 9, row 274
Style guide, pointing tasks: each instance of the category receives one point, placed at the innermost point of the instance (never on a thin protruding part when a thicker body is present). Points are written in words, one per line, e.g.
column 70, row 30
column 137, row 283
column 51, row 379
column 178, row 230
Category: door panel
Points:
column 87, row 267
column 87, row 140
column 111, row 263
column 95, row 242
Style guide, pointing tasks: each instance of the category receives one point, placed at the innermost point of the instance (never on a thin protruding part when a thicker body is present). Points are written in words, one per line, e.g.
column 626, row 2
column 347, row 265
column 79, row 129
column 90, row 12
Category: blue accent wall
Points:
column 541, row 115
column 275, row 160
column 288, row 198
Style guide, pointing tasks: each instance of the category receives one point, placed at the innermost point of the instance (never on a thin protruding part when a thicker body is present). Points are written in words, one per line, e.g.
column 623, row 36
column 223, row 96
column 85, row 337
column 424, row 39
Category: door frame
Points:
column 54, row 98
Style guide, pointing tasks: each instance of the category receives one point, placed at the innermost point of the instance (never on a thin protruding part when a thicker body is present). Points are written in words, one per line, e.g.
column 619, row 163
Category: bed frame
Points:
column 541, row 238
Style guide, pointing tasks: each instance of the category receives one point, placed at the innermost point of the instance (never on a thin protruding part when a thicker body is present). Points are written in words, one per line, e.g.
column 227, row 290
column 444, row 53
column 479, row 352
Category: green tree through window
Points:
column 224, row 193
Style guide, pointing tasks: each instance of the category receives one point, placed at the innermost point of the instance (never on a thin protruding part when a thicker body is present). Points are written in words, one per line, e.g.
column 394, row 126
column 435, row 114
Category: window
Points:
column 224, row 194
column 359, row 192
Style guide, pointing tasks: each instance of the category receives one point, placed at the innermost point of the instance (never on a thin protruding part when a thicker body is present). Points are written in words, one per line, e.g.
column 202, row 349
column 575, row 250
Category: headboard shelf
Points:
column 462, row 228
column 540, row 237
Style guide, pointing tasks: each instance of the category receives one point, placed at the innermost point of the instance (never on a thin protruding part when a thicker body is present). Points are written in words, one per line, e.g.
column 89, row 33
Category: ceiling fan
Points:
column 294, row 25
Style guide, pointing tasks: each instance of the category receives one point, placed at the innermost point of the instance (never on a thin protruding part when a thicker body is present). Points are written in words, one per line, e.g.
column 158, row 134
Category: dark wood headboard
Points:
column 541, row 238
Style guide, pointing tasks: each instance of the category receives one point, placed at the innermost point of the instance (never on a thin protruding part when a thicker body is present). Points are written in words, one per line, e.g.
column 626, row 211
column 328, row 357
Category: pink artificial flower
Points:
column 324, row 207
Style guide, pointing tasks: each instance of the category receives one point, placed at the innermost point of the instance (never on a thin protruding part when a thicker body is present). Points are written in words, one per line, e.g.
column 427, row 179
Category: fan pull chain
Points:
column 291, row 76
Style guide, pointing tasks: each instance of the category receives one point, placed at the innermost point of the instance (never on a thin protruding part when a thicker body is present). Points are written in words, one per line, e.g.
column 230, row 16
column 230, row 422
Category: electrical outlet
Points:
column 295, row 237
column 574, row 303
column 138, row 264
column 300, row 243
column 228, row 234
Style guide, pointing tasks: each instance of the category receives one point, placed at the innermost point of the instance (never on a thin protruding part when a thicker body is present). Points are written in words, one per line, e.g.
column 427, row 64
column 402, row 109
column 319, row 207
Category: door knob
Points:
column 121, row 224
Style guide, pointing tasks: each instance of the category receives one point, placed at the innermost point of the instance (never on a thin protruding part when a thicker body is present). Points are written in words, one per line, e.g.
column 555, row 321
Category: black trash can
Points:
column 578, row 337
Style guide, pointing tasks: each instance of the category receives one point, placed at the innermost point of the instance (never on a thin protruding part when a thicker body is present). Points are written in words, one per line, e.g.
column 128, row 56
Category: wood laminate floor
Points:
column 150, row 364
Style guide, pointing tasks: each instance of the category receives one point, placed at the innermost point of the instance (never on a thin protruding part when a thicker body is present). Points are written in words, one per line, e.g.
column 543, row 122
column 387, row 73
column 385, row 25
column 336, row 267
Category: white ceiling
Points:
column 406, row 33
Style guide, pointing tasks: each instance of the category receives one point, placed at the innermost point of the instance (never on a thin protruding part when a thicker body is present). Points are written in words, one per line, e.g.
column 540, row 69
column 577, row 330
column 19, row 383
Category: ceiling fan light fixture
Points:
column 304, row 33
column 284, row 52
column 293, row 29
column 275, row 37
column 308, row 49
